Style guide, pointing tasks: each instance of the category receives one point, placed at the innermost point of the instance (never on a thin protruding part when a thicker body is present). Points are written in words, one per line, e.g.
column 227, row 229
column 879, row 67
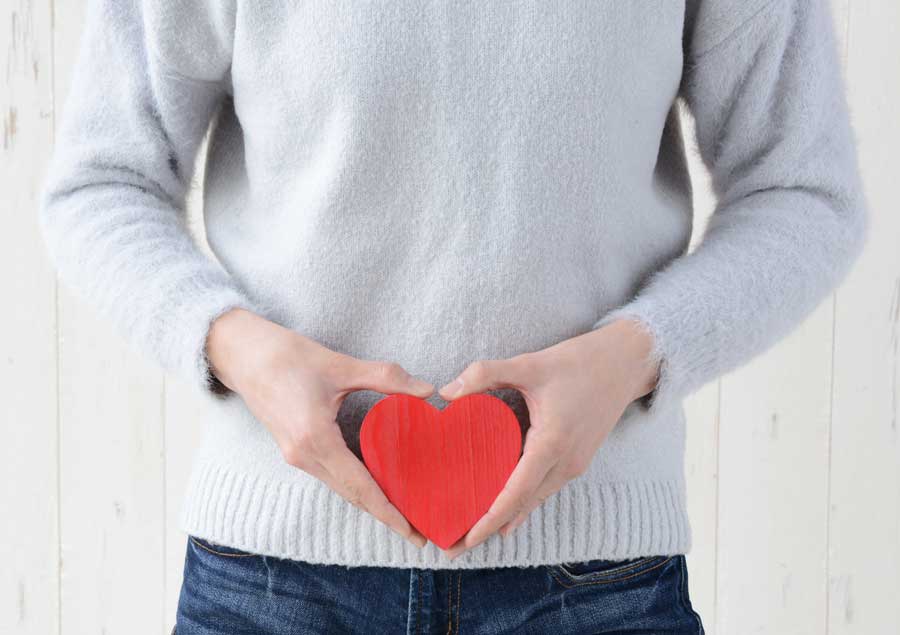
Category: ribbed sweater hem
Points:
column 304, row 520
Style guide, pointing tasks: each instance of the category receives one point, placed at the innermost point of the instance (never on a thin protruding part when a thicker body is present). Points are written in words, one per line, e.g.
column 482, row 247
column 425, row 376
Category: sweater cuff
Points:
column 672, row 379
column 201, row 315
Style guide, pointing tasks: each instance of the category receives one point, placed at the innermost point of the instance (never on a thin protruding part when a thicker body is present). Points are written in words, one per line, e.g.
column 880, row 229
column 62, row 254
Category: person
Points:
column 441, row 200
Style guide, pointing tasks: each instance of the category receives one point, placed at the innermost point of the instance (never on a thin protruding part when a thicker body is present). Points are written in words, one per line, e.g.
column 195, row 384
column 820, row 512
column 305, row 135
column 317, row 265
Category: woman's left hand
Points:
column 576, row 391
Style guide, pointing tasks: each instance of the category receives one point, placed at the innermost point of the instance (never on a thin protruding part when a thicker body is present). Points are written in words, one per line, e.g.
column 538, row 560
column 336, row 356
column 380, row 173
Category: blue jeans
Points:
column 233, row 592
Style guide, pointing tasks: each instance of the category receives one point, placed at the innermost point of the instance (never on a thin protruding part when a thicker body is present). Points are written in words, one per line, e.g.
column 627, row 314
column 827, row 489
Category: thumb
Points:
column 482, row 375
column 387, row 378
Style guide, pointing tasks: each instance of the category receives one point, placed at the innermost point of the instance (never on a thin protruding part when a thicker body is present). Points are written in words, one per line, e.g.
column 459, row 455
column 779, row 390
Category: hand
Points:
column 575, row 391
column 295, row 387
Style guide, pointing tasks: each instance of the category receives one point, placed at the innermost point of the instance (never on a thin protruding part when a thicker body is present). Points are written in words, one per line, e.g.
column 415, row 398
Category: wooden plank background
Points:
column 793, row 460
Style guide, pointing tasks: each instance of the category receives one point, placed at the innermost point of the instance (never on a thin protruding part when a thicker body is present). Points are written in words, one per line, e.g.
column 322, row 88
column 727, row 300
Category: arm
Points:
column 765, row 87
column 112, row 215
column 763, row 82
column 112, row 209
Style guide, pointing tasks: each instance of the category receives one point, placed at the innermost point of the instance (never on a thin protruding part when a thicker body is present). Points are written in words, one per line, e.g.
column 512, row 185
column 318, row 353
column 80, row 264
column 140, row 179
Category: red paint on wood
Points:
column 441, row 468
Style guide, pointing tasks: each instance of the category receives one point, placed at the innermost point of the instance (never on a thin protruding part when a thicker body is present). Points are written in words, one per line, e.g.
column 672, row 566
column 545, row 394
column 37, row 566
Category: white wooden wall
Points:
column 794, row 460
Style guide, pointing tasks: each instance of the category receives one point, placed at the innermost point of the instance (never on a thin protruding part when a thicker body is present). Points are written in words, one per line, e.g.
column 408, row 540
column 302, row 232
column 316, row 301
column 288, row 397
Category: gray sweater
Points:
column 433, row 184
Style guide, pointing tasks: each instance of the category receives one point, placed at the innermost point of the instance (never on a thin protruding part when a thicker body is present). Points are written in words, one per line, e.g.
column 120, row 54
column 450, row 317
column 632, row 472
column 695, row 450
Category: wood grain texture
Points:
column 29, row 495
column 441, row 468
column 864, row 470
column 834, row 532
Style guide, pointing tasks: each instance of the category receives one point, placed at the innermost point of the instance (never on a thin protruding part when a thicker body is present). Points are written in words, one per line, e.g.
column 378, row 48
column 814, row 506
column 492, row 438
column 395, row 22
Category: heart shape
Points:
column 441, row 468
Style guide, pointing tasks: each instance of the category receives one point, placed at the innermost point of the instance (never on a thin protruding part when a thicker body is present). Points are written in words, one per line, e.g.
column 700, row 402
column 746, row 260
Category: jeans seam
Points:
column 221, row 553
column 458, row 599
column 593, row 582
column 613, row 571
column 450, row 603
column 419, row 600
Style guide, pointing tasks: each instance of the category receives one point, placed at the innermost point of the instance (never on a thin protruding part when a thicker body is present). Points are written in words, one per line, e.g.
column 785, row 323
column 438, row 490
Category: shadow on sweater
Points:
column 355, row 406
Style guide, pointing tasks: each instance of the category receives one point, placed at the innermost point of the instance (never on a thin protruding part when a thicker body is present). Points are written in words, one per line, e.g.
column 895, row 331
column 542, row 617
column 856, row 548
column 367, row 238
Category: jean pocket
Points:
column 219, row 550
column 571, row 574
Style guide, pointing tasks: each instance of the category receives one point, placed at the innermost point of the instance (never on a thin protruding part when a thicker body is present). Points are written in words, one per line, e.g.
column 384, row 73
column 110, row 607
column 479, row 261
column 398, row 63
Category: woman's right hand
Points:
column 295, row 386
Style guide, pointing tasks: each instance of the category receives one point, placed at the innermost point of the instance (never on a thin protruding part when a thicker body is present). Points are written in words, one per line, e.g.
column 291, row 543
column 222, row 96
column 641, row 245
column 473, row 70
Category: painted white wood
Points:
column 29, row 561
column 111, row 452
column 793, row 462
column 773, row 488
column 864, row 531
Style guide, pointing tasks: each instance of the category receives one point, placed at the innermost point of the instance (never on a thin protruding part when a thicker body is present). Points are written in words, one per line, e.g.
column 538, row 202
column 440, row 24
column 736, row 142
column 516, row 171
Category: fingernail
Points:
column 453, row 387
column 421, row 384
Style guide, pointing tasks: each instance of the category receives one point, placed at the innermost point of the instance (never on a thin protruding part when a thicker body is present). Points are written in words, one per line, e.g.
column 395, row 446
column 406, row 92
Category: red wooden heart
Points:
column 441, row 468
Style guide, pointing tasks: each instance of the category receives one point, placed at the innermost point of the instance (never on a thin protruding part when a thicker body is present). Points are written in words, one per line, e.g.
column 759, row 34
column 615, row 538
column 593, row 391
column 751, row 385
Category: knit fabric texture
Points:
column 437, row 183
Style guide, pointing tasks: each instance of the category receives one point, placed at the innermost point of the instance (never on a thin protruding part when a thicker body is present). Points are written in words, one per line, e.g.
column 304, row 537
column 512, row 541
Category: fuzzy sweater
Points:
column 435, row 183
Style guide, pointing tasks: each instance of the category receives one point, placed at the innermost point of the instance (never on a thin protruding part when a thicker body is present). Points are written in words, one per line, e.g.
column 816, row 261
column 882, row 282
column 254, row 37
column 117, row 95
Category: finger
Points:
column 330, row 443
column 350, row 478
column 553, row 482
column 527, row 476
column 571, row 466
column 385, row 377
column 490, row 374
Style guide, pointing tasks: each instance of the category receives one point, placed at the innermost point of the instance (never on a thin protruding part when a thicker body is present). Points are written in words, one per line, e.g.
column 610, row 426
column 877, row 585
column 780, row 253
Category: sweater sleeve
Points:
column 112, row 205
column 764, row 85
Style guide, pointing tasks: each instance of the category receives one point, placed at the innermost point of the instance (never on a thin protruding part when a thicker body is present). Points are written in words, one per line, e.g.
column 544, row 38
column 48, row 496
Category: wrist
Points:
column 638, row 343
column 225, row 334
